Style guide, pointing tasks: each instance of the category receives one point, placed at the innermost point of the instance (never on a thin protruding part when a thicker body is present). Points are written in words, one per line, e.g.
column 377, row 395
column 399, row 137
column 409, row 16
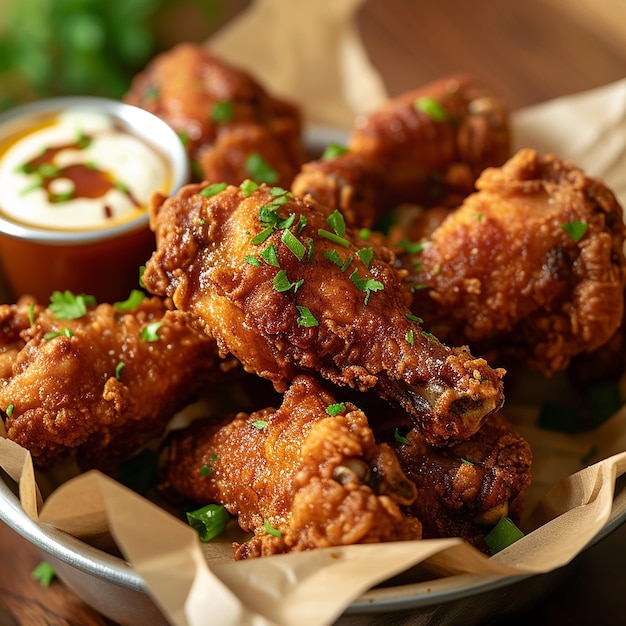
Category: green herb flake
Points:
column 306, row 318
column 253, row 260
column 248, row 187
column 295, row 246
column 260, row 170
column 466, row 462
column 222, row 112
column 38, row 184
column 259, row 424
column 334, row 150
column 212, row 190
column 282, row 282
column 428, row 335
column 502, row 535
column 66, row 332
column 366, row 255
column 347, row 263
column 135, row 298
column 210, row 521
column 67, row 306
column 142, row 269
column 337, row 223
column 366, row 285
column 262, row 236
column 44, row 573
column 118, row 370
column 303, row 222
column 31, row 313
column 400, row 438
column 150, row 331
column 335, row 409
column 410, row 338
column 414, row 318
column 576, row 230
column 333, row 237
column 206, row 470
column 270, row 530
column 410, row 247
column 270, row 256
column 432, row 108
column 9, row 410
column 365, row 233
column 333, row 257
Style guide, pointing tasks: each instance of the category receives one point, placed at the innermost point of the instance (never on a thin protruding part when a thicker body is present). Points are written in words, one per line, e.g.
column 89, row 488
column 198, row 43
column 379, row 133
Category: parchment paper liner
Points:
column 190, row 581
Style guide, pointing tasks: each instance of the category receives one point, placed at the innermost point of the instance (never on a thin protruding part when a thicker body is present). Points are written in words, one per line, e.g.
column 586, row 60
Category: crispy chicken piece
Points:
column 465, row 489
column 314, row 478
column 225, row 116
column 281, row 286
column 102, row 385
column 531, row 265
column 425, row 147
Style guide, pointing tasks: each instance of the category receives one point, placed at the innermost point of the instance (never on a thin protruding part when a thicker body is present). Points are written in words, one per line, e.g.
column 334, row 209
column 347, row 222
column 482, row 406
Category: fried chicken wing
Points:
column 465, row 489
column 224, row 115
column 283, row 287
column 531, row 265
column 425, row 147
column 102, row 385
column 312, row 475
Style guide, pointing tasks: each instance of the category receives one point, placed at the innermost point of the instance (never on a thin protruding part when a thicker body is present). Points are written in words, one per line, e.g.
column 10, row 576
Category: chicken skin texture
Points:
column 530, row 267
column 425, row 147
column 266, row 274
column 464, row 489
column 98, row 386
column 317, row 479
column 225, row 116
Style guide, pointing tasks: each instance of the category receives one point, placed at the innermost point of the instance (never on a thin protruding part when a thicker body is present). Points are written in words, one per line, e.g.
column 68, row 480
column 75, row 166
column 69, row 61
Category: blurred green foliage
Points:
column 76, row 47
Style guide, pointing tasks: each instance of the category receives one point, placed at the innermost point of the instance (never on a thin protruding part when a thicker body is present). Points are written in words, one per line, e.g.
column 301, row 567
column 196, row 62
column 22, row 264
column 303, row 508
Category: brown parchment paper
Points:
column 567, row 505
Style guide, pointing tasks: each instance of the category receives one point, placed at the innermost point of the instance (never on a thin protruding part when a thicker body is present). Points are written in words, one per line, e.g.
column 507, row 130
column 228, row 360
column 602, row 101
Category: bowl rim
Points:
column 143, row 123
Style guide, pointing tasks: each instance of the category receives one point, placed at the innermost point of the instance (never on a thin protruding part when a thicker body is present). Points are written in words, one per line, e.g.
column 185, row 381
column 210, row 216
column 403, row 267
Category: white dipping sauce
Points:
column 77, row 171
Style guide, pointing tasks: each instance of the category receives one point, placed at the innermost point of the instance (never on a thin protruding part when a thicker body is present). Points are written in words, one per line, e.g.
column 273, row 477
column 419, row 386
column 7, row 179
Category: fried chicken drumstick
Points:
column 286, row 289
column 425, row 147
column 104, row 384
column 531, row 265
column 309, row 470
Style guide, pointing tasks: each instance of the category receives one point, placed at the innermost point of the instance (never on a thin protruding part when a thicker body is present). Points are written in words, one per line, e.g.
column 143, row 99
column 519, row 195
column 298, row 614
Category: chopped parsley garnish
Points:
column 67, row 306
column 306, row 319
column 502, row 535
column 366, row 255
column 222, row 112
column 282, row 282
column 135, row 298
column 335, row 409
column 294, row 244
column 410, row 337
column 428, row 335
column 10, row 409
column 466, row 462
column 337, row 223
column 212, row 190
column 414, row 318
column 206, row 470
column 118, row 369
column 400, row 438
column 365, row 234
column 150, row 331
column 44, row 573
column 576, row 230
column 260, row 424
column 270, row 256
column 270, row 530
column 410, row 247
column 248, row 187
column 366, row 285
column 333, row 256
column 31, row 313
column 333, row 237
column 260, row 170
column 333, row 150
column 142, row 269
column 253, row 260
column 262, row 236
column 432, row 108
column 66, row 332
column 210, row 521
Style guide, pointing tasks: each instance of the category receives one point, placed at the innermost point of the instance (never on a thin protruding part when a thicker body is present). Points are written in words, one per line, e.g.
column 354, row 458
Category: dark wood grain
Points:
column 527, row 51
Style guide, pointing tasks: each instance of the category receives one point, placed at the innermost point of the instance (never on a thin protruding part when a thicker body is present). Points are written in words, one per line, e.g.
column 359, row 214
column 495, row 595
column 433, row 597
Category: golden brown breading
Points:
column 68, row 394
column 503, row 272
column 424, row 147
column 464, row 489
column 266, row 274
column 316, row 479
column 206, row 100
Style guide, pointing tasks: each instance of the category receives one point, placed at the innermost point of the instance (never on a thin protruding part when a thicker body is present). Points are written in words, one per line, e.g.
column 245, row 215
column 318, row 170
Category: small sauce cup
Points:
column 76, row 174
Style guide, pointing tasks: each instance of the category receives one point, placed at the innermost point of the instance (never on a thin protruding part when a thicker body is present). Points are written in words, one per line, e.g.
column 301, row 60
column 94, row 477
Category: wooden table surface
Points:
column 527, row 51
